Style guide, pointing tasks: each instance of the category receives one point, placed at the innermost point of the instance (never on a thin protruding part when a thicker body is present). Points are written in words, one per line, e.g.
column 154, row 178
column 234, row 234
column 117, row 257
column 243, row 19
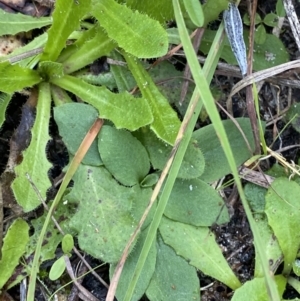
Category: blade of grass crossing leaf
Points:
column 187, row 128
column 208, row 101
column 83, row 148
column 195, row 12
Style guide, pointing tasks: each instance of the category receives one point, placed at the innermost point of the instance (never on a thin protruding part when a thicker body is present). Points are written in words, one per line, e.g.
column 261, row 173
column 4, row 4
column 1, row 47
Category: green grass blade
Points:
column 189, row 122
column 208, row 101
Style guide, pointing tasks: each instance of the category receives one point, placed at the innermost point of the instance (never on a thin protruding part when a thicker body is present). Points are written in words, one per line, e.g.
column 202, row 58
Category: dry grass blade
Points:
column 258, row 76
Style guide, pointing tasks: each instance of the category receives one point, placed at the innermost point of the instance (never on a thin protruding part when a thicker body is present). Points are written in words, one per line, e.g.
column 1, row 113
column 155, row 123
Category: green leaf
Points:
column 255, row 196
column 174, row 278
column 57, row 268
column 129, row 267
column 140, row 203
column 246, row 19
column 10, row 24
column 270, row 245
column 162, row 11
column 122, row 75
column 66, row 18
column 124, row 110
column 35, row 162
column 14, row 78
column 67, row 243
column 198, row 246
column 166, row 123
column 123, row 155
column 74, row 121
column 196, row 203
column 90, row 50
column 293, row 116
column 103, row 220
column 260, row 34
column 134, row 32
column 85, row 35
column 296, row 267
column 271, row 19
column 195, row 12
column 283, row 212
column 266, row 55
column 13, row 248
column 256, row 290
column 216, row 165
column 48, row 69
column 193, row 162
column 150, row 180
column 280, row 10
column 213, row 8
column 4, row 101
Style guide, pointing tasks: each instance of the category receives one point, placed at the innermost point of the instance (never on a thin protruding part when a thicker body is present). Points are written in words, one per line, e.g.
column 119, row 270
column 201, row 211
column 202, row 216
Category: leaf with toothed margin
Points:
column 35, row 163
column 124, row 110
column 136, row 33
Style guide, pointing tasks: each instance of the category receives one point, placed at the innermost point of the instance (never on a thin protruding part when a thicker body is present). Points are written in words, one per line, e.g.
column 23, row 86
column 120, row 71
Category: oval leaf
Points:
column 123, row 155
column 67, row 243
column 57, row 268
column 195, row 12
column 196, row 203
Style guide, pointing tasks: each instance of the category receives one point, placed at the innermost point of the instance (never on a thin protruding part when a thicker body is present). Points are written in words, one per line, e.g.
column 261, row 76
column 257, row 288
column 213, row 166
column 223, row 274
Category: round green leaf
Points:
column 271, row 20
column 150, row 180
column 196, row 203
column 67, row 243
column 57, row 268
column 123, row 155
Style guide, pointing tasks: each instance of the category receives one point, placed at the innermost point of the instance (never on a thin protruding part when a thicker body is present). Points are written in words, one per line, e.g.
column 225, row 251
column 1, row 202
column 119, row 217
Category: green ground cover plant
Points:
column 119, row 200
